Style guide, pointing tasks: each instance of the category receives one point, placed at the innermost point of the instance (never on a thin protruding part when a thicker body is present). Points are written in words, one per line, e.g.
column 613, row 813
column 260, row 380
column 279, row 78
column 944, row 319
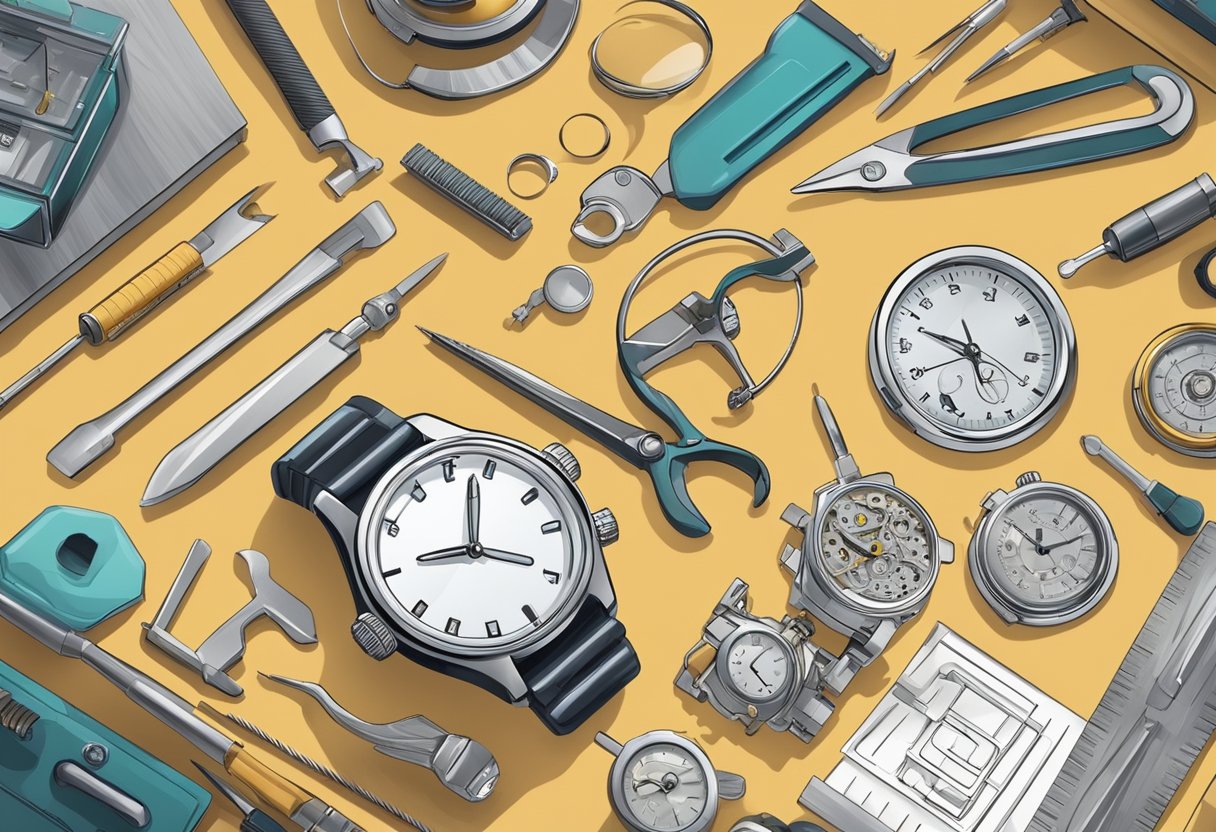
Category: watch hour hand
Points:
column 507, row 557
column 953, row 343
column 472, row 510
column 444, row 554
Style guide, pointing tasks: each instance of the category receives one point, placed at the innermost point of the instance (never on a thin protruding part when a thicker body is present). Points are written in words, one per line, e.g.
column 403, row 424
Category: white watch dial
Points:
column 758, row 665
column 666, row 788
column 476, row 548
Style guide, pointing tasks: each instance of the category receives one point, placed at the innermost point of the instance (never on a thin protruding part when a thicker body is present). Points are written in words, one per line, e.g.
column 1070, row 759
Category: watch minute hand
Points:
column 444, row 554
column 953, row 343
column 507, row 557
column 472, row 510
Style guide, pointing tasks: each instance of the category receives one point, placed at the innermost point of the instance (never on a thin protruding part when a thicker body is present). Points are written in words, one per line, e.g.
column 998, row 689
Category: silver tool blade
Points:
column 229, row 229
column 1096, row 447
column 39, row 370
column 194, row 456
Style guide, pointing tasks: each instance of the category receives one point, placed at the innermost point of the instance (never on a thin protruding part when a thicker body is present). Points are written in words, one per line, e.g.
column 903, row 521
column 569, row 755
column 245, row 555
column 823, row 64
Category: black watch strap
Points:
column 345, row 455
column 578, row 672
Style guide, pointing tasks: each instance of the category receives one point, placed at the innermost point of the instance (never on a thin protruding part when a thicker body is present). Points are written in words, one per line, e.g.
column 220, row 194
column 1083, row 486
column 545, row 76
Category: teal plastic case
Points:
column 60, row 66
column 810, row 63
column 31, row 799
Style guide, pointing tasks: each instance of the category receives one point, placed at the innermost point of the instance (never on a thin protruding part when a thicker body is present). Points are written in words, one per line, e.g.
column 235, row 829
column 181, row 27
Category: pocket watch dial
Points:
column 1176, row 389
column 759, row 665
column 875, row 543
column 976, row 349
column 476, row 549
column 666, row 788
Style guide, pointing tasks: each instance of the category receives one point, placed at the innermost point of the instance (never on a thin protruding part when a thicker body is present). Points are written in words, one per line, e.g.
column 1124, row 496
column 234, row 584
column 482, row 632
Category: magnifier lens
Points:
column 655, row 49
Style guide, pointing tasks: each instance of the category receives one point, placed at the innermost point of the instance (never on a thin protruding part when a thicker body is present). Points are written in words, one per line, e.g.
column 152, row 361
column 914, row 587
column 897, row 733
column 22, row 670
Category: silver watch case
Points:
column 352, row 532
column 799, row 708
column 995, row 506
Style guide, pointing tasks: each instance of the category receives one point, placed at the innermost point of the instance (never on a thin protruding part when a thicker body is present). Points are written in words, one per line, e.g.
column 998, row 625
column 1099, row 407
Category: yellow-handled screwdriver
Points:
column 144, row 292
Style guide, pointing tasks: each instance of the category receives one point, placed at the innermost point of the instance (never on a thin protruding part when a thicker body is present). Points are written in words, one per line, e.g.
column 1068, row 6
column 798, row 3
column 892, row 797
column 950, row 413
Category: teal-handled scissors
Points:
column 666, row 462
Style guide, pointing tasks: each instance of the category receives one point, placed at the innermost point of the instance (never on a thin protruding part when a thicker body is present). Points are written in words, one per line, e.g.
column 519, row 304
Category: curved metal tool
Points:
column 463, row 765
column 893, row 164
column 715, row 321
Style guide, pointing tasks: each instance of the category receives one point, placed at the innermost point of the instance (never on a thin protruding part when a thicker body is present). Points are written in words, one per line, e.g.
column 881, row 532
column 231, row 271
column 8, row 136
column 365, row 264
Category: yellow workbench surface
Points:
column 667, row 585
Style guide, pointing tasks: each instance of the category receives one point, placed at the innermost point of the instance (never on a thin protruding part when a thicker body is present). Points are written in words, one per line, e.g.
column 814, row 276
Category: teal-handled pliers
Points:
column 665, row 462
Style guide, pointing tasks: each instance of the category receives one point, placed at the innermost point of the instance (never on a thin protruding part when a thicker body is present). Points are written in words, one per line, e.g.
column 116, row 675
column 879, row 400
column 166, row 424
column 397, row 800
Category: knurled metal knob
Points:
column 374, row 636
column 563, row 458
column 1028, row 478
column 606, row 528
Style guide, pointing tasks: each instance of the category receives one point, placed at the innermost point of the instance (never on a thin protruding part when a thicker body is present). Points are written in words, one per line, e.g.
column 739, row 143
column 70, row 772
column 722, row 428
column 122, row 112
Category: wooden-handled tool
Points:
column 144, row 292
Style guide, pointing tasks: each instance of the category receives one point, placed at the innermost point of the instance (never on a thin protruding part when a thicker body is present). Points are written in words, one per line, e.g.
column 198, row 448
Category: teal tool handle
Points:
column 1184, row 515
column 669, row 475
column 810, row 63
column 774, row 268
column 1044, row 152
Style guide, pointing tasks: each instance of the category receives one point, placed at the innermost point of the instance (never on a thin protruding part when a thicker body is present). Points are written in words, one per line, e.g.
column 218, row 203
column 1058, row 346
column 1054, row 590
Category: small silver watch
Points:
column 869, row 558
column 764, row 671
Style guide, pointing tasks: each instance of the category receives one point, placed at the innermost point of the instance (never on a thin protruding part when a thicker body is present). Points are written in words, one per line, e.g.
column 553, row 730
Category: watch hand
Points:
column 967, row 332
column 990, row 386
column 917, row 372
column 472, row 510
column 1022, row 382
column 1064, row 542
column 506, row 557
column 444, row 554
column 953, row 343
column 1036, row 539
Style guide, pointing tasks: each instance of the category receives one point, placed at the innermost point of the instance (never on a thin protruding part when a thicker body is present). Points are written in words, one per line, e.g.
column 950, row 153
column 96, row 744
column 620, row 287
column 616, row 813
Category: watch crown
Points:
column 1028, row 478
column 606, row 528
column 561, row 456
column 374, row 636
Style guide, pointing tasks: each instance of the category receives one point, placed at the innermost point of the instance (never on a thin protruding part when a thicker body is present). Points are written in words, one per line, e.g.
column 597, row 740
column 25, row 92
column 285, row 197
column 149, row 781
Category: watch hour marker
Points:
column 488, row 471
column 551, row 526
column 551, row 576
column 392, row 573
column 449, row 470
column 391, row 528
column 954, row 288
column 419, row 608
column 1022, row 320
column 453, row 627
column 529, row 495
column 990, row 294
column 492, row 629
column 530, row 614
column 418, row 492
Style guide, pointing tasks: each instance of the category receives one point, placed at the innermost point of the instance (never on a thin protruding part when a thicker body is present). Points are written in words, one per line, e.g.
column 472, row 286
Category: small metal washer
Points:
column 561, row 136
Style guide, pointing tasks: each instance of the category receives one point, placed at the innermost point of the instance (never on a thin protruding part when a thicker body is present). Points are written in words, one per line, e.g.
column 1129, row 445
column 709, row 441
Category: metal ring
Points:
column 546, row 164
column 1203, row 273
column 561, row 136
column 625, row 88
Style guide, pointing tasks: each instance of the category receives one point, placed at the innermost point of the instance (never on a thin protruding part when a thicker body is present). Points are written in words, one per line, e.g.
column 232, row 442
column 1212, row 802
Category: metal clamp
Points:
column 226, row 646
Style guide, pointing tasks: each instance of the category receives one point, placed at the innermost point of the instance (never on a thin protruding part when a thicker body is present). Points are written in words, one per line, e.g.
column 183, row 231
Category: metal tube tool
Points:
column 307, row 811
column 1153, row 225
column 187, row 463
column 1067, row 14
column 370, row 228
column 148, row 289
column 253, row 819
column 308, row 102
column 1184, row 514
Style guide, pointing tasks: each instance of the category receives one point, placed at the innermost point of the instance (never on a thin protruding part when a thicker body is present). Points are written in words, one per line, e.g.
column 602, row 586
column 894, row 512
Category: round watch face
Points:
column 876, row 547
column 759, row 665
column 475, row 545
column 666, row 787
column 1045, row 556
column 973, row 349
column 1174, row 389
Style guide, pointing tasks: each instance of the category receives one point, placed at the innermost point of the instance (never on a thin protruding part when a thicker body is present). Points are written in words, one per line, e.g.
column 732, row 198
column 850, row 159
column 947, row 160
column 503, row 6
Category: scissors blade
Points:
column 881, row 166
column 619, row 437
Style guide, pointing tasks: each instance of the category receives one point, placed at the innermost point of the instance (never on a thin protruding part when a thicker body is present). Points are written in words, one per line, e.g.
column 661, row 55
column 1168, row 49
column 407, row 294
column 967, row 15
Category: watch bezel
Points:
column 618, row 772
column 884, row 378
column 980, row 548
column 576, row 515
column 722, row 666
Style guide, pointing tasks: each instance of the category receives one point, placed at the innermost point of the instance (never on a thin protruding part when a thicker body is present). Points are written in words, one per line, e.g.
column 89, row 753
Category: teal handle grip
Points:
column 1084, row 146
column 1184, row 514
column 810, row 63
column 669, row 476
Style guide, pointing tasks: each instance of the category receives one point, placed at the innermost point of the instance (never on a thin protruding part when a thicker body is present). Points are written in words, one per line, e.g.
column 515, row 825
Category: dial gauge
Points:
column 475, row 546
column 666, row 787
column 1044, row 555
column 973, row 349
column 759, row 665
column 874, row 544
column 1174, row 389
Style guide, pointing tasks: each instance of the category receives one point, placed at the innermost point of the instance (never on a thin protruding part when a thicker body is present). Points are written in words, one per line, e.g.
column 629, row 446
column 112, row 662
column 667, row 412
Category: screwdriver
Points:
column 142, row 293
column 255, row 819
column 1184, row 515
column 1153, row 225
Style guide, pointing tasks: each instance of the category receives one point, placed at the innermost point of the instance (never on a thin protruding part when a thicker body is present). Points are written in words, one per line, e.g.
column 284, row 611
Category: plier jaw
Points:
column 878, row 167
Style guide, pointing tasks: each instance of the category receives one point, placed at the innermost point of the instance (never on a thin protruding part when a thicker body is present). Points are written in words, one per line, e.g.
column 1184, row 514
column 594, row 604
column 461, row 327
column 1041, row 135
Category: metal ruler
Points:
column 1155, row 717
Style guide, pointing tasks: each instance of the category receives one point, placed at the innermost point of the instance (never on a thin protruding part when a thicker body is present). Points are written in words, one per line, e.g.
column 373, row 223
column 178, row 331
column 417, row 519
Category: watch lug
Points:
column 731, row 786
column 945, row 550
column 435, row 428
column 791, row 558
column 341, row 519
column 882, row 477
column 796, row 516
column 994, row 499
column 600, row 587
column 502, row 670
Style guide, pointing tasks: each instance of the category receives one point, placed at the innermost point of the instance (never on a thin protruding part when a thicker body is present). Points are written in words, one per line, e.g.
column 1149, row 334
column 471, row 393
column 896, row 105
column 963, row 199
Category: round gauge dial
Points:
column 666, row 788
column 875, row 544
column 973, row 349
column 1045, row 556
column 1174, row 389
column 759, row 665
column 475, row 547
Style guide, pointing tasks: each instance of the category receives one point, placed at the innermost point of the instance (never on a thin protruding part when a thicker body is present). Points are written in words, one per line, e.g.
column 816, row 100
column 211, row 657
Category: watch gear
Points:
column 763, row 671
column 869, row 559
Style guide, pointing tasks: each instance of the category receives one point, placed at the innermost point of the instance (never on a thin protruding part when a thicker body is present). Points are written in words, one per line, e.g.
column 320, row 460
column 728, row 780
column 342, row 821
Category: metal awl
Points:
column 148, row 289
column 1184, row 515
column 1067, row 14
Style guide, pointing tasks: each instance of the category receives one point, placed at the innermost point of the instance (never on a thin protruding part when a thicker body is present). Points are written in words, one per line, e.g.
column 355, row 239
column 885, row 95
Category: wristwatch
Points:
column 870, row 556
column 763, row 670
column 470, row 553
